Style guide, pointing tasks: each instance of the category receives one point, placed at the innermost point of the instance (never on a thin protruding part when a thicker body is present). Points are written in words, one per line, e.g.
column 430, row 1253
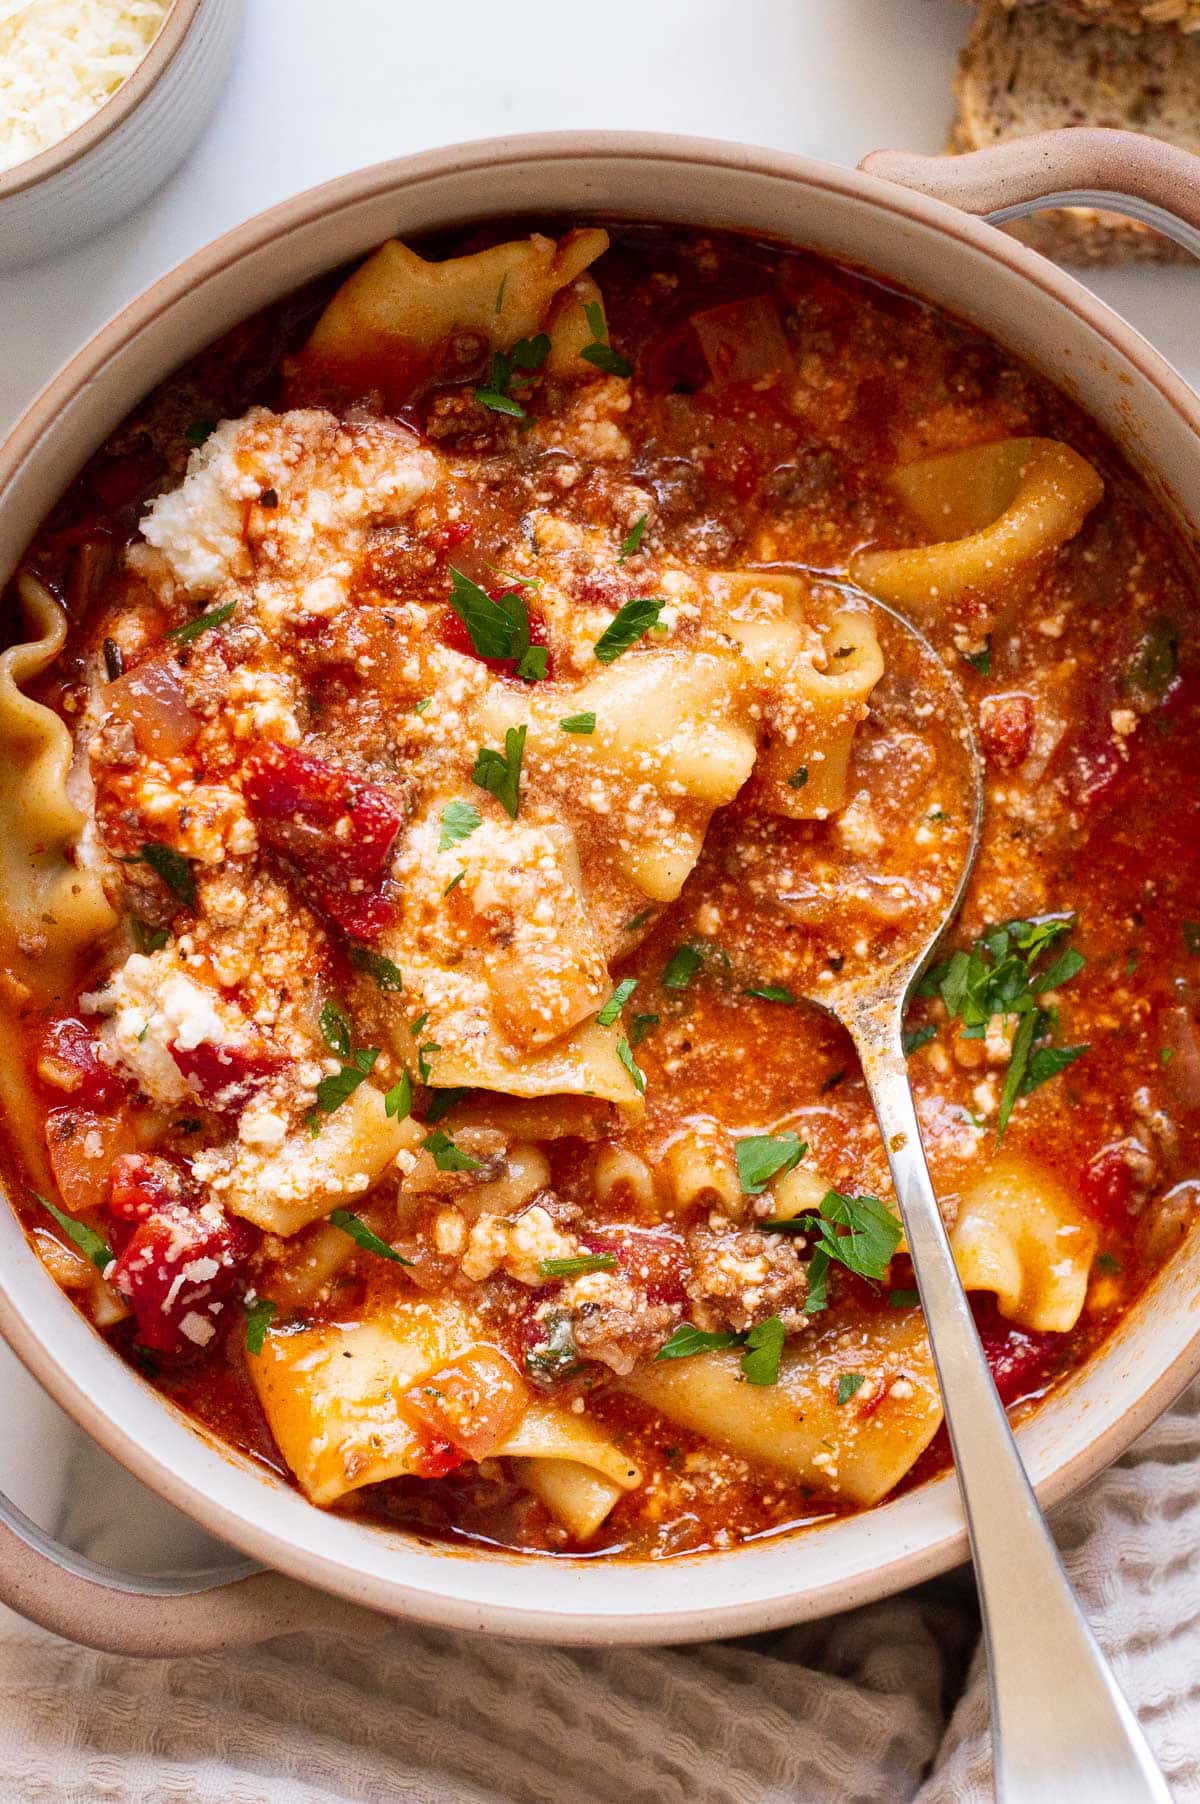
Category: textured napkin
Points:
column 882, row 1706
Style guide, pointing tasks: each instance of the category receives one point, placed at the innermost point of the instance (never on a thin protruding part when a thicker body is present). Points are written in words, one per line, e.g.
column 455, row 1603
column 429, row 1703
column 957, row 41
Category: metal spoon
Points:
column 1062, row 1732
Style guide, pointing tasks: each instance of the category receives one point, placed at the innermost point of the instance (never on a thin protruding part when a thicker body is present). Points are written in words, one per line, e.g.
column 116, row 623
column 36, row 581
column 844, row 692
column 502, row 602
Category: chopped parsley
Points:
column 383, row 973
column 770, row 992
column 600, row 353
column 1005, row 973
column 631, row 1065
column 763, row 1347
column 443, row 1102
column 903, row 1299
column 397, row 1101
column 497, row 629
column 1154, row 665
column 578, row 723
column 86, row 1239
column 617, row 1001
column 682, row 966
column 798, row 778
column 363, row 1237
column 640, row 1026
column 446, row 1156
column 333, row 1091
column 419, row 1023
column 259, row 1316
column 1165, row 1055
column 981, row 660
column 420, row 707
column 918, row 1037
column 198, row 431
column 557, row 1356
column 1105, row 1262
column 147, row 938
column 192, row 629
column 172, row 867
column 872, row 1236
column 459, row 821
column 114, row 663
column 633, row 539
column 631, row 620
column 455, row 881
column 425, row 1059
column 335, row 1029
column 849, row 1385
column 640, row 919
column 500, row 772
column 517, row 365
column 761, row 1157
column 578, row 1266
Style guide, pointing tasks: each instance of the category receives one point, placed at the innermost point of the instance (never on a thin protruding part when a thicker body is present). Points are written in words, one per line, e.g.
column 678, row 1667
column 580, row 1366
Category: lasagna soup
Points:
column 451, row 736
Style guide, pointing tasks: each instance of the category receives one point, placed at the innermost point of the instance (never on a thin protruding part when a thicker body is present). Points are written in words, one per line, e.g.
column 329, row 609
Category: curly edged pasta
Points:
column 1005, row 505
column 1018, row 1234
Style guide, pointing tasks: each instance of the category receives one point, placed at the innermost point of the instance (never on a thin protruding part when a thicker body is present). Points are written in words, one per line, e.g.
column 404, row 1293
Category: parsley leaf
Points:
column 333, row 1091
column 446, row 1156
column 259, row 1316
column 631, row 620
column 515, row 365
column 443, row 1102
column 363, row 1237
column 89, row 1243
column 576, row 1267
column 770, row 992
column 640, row 1026
column 798, row 778
column 631, row 1065
column 616, row 1002
column 761, row 1157
column 636, row 921
column 981, row 660
column 500, row 772
column 459, row 821
column 496, row 629
column 918, row 1037
column 686, row 1341
column 385, row 975
column 198, row 431
column 397, row 1101
column 764, row 1348
column 335, row 1029
column 533, row 665
column 681, row 967
column 192, row 629
column 849, row 1385
column 147, row 938
column 424, row 1059
column 600, row 353
column 578, row 723
column 903, row 1299
column 874, row 1233
column 633, row 539
column 173, row 868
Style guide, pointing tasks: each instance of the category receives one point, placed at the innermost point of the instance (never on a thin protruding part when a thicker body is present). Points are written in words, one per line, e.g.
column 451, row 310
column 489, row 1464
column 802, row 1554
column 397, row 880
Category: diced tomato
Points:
column 434, row 1456
column 1093, row 766
column 674, row 361
column 336, row 829
column 181, row 1258
column 1006, row 729
column 1106, row 1184
column 69, row 1061
column 652, row 1259
column 449, row 537
column 455, row 635
column 225, row 1077
column 82, row 1146
column 1021, row 1361
column 475, row 1402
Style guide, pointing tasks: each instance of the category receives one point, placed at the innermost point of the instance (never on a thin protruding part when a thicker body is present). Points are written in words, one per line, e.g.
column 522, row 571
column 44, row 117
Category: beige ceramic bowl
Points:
column 933, row 248
column 114, row 160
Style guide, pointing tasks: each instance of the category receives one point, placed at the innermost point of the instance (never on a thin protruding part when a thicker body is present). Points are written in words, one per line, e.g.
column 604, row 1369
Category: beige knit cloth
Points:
column 882, row 1706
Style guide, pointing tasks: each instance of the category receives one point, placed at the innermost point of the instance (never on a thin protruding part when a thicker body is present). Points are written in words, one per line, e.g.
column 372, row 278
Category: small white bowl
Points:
column 108, row 165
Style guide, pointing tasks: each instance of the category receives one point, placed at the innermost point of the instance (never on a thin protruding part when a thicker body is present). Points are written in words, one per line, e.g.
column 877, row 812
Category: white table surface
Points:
column 323, row 86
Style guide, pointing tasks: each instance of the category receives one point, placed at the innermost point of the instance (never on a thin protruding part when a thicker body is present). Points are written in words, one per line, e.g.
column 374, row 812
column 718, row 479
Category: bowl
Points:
column 111, row 163
column 961, row 264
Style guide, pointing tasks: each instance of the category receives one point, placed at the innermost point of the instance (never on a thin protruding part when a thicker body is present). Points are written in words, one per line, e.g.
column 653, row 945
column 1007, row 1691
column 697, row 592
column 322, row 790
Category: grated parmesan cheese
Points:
column 60, row 60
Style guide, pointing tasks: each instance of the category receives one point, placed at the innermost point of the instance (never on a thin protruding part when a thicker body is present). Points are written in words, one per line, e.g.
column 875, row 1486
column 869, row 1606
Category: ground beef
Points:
column 741, row 1278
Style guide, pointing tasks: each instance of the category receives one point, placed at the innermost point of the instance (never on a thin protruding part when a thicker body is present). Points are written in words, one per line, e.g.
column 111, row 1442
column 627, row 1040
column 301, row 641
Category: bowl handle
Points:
column 158, row 1617
column 1123, row 172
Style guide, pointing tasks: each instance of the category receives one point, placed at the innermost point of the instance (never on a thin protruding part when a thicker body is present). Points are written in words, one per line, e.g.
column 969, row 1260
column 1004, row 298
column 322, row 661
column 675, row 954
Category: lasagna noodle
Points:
column 1006, row 505
column 1019, row 1235
column 51, row 903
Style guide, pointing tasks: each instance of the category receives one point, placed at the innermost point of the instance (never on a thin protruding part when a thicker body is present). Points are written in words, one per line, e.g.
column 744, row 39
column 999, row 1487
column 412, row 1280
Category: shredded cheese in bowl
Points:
column 60, row 60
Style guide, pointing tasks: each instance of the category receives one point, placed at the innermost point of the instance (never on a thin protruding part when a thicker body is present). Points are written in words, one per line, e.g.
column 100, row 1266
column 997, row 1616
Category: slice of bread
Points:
column 1030, row 68
column 1130, row 14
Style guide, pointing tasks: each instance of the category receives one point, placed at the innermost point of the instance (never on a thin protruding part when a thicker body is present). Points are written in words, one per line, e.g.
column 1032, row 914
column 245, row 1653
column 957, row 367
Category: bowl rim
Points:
column 935, row 1549
column 180, row 16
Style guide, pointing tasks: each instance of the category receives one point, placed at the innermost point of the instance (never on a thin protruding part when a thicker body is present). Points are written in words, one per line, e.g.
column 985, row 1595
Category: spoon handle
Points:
column 1062, row 1732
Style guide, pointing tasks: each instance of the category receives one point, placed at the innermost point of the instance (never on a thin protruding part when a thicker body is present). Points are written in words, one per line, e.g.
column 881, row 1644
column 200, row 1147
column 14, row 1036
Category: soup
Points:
column 455, row 739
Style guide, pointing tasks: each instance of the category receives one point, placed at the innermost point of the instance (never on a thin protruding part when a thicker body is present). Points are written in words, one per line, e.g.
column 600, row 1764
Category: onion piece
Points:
column 741, row 340
column 151, row 699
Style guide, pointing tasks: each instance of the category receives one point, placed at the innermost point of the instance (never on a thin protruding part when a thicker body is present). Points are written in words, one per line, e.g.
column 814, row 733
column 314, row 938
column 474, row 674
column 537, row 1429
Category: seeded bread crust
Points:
column 1031, row 68
column 1129, row 15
